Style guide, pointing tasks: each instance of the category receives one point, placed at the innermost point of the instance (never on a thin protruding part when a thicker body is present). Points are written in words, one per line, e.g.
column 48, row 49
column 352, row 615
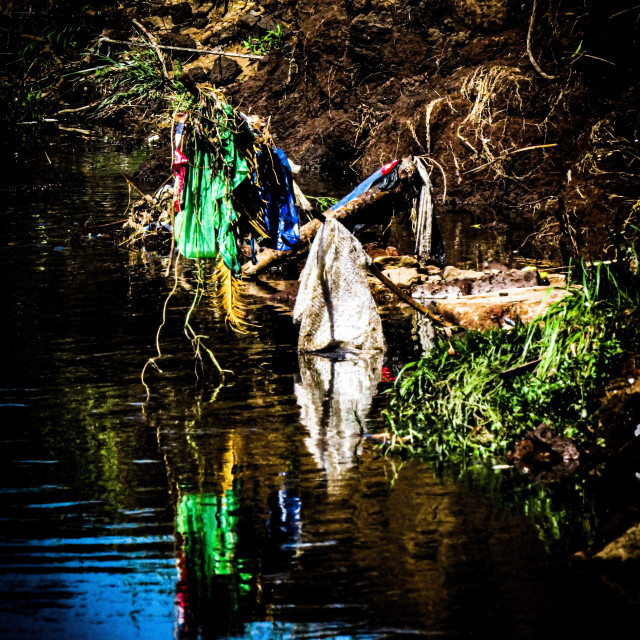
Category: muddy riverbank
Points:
column 524, row 110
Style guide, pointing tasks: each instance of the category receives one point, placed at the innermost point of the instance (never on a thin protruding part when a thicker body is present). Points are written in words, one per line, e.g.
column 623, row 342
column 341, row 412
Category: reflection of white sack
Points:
column 330, row 394
column 426, row 332
column 334, row 307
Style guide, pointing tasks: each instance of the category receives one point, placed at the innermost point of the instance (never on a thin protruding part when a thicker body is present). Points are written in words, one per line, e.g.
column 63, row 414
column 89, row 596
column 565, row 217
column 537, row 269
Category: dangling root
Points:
column 228, row 291
column 196, row 339
column 153, row 361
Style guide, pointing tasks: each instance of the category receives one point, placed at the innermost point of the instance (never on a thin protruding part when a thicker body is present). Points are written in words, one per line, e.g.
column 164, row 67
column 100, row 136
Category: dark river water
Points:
column 251, row 509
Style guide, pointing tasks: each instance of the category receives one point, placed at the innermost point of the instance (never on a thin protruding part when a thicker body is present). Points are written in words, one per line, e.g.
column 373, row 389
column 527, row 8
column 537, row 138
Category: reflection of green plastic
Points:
column 204, row 226
column 208, row 528
column 220, row 588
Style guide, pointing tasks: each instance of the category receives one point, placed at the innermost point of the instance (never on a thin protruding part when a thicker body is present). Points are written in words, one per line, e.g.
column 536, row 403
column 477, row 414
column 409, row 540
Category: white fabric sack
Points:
column 334, row 306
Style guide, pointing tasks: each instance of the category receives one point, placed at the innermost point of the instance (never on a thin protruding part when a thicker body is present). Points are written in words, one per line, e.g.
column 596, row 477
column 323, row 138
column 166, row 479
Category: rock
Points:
column 557, row 279
column 512, row 279
column 453, row 272
column 404, row 277
column 435, row 288
column 248, row 22
column 626, row 547
column 459, row 282
column 545, row 454
column 396, row 262
column 196, row 75
column 489, row 310
column 224, row 71
column 619, row 414
column 374, row 250
column 450, row 272
column 267, row 23
column 222, row 36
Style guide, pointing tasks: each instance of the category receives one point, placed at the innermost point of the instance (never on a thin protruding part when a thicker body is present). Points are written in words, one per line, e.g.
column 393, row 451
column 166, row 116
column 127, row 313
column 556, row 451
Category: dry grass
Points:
column 492, row 94
column 228, row 292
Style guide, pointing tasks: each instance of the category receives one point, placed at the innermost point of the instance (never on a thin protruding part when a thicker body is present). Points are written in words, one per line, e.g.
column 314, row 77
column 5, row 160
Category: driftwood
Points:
column 271, row 257
column 405, row 297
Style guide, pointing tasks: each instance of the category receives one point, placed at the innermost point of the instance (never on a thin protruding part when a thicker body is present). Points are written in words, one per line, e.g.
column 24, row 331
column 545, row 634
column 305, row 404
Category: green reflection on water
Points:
column 215, row 583
column 569, row 513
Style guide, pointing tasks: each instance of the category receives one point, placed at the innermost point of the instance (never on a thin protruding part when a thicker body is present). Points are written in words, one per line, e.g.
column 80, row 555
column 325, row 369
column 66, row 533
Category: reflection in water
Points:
column 215, row 583
column 102, row 496
column 220, row 557
column 284, row 526
column 218, row 585
column 334, row 397
column 425, row 331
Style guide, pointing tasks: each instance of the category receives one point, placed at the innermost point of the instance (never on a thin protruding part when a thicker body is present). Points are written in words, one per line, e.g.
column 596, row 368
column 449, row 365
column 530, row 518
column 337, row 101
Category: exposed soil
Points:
column 356, row 83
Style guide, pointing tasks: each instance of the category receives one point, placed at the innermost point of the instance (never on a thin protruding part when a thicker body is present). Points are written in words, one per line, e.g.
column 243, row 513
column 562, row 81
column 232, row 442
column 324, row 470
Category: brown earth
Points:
column 360, row 83
column 356, row 83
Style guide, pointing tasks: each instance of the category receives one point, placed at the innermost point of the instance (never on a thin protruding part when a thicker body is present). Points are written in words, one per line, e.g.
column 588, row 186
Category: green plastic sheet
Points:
column 204, row 227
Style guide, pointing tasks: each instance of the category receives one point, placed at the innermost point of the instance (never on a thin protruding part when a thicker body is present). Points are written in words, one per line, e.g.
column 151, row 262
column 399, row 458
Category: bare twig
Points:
column 624, row 11
column 509, row 153
column 84, row 132
column 86, row 106
column 187, row 49
column 144, row 195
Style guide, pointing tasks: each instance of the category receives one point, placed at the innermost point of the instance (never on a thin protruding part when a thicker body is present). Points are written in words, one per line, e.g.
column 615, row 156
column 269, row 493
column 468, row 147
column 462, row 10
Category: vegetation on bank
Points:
column 476, row 396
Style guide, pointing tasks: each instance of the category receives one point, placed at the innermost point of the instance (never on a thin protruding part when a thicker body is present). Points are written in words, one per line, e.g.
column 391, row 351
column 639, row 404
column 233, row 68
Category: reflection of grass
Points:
column 566, row 515
column 458, row 403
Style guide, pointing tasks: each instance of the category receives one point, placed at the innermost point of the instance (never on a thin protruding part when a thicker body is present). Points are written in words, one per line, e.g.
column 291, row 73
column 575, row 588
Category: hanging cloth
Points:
column 276, row 191
column 334, row 306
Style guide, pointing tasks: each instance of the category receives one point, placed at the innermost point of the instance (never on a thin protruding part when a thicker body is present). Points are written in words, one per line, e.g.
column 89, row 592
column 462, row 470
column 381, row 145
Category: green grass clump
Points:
column 271, row 41
column 461, row 401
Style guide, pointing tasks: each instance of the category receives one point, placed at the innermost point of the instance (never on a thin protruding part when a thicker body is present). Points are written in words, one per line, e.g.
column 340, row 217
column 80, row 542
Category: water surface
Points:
column 248, row 509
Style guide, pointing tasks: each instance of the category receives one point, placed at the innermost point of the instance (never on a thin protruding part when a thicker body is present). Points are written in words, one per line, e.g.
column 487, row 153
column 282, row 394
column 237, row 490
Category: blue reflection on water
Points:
column 83, row 603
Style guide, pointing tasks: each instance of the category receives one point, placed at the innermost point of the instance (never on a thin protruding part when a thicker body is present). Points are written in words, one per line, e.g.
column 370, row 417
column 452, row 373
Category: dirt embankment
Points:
column 524, row 108
column 480, row 88
column 360, row 82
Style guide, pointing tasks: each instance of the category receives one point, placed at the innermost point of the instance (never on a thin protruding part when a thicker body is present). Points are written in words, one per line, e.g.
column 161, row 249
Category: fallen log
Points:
column 271, row 257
